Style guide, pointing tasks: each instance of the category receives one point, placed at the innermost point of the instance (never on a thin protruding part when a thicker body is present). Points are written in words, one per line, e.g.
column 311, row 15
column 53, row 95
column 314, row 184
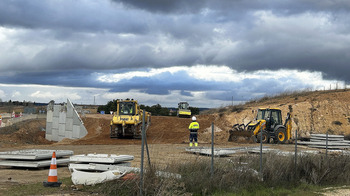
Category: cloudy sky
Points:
column 164, row 51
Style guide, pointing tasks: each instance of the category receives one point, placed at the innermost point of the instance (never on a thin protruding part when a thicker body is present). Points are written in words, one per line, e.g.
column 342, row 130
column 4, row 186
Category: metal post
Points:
column 296, row 151
column 261, row 137
column 212, row 149
column 148, row 157
column 144, row 132
column 326, row 144
column 142, row 152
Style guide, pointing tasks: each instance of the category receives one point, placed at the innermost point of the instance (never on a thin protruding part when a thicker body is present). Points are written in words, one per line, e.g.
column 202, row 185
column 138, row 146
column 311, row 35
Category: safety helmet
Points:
column 194, row 118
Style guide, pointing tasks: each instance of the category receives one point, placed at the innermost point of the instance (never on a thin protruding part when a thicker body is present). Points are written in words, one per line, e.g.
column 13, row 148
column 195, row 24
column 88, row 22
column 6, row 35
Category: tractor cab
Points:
column 273, row 117
column 126, row 108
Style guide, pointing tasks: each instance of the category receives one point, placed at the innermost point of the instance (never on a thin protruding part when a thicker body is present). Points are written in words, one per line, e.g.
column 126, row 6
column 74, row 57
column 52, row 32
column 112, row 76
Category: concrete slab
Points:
column 97, row 167
column 34, row 154
column 324, row 139
column 101, row 158
column 329, row 136
column 32, row 164
column 330, row 143
column 218, row 151
column 329, row 147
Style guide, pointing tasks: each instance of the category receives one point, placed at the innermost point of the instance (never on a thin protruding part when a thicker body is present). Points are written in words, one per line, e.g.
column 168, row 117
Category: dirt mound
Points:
column 163, row 130
column 24, row 133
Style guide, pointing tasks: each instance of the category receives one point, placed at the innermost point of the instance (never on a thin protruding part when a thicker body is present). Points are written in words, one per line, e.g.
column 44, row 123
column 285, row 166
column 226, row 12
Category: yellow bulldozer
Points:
column 267, row 125
column 127, row 120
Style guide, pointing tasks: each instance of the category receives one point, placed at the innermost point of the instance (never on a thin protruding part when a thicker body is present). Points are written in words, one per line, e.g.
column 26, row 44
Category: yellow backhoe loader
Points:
column 127, row 120
column 268, row 124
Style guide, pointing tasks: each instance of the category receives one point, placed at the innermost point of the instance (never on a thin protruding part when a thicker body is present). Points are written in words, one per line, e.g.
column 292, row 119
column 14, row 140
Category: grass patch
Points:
column 38, row 188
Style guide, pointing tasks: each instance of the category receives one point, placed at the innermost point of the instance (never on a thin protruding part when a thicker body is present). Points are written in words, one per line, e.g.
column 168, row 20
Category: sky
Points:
column 208, row 53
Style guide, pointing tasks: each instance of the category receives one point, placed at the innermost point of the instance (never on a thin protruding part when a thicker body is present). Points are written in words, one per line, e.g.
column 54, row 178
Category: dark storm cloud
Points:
column 70, row 16
column 240, row 6
column 106, row 36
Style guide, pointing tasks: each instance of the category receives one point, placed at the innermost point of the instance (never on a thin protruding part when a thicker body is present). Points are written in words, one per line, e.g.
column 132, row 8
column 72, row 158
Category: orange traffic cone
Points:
column 52, row 179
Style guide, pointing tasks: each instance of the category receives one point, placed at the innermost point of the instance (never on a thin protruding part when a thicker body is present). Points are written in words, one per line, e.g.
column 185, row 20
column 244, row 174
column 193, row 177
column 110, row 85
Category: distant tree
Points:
column 194, row 110
column 156, row 110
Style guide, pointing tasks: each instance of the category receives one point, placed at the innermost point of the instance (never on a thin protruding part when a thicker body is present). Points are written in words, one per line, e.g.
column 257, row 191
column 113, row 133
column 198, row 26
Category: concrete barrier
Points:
column 63, row 121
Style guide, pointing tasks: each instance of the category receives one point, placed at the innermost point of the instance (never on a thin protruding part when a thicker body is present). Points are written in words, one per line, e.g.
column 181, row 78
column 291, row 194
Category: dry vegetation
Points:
column 240, row 174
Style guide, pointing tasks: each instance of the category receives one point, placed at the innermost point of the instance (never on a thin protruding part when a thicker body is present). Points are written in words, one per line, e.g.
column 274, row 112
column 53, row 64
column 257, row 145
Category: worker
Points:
column 194, row 126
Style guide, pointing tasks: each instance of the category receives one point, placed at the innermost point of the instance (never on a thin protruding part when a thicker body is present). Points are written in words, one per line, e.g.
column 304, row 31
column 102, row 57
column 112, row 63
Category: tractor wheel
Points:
column 265, row 137
column 281, row 136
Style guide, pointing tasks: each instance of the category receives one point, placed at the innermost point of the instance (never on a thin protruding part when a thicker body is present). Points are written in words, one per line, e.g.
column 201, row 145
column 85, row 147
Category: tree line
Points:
column 156, row 110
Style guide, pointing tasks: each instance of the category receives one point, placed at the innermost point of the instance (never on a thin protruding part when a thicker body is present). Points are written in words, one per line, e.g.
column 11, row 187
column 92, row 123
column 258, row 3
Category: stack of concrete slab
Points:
column 63, row 121
column 99, row 162
column 90, row 169
column 33, row 158
column 220, row 151
column 324, row 141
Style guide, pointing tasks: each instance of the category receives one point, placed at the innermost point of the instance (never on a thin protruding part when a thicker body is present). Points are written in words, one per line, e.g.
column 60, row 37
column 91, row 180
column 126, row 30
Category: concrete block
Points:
column 49, row 128
column 76, row 131
column 61, row 130
column 76, row 120
column 60, row 138
column 49, row 116
column 62, row 118
column 69, row 124
column 54, row 134
column 68, row 134
column 55, row 123
column 48, row 137
column 82, row 131
column 70, row 111
column 56, row 110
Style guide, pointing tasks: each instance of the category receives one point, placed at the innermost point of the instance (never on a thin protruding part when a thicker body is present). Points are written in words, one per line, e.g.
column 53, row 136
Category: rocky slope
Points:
column 316, row 112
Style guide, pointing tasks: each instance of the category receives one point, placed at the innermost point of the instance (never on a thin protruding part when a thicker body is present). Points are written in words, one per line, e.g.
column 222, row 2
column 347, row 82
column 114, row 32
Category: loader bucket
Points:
column 239, row 133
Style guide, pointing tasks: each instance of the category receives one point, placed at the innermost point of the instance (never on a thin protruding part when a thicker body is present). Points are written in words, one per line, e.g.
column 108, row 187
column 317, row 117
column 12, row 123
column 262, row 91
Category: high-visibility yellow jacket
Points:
column 194, row 126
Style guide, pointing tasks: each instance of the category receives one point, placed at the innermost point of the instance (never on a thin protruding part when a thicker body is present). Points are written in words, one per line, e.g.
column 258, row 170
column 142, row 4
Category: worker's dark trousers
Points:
column 193, row 136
